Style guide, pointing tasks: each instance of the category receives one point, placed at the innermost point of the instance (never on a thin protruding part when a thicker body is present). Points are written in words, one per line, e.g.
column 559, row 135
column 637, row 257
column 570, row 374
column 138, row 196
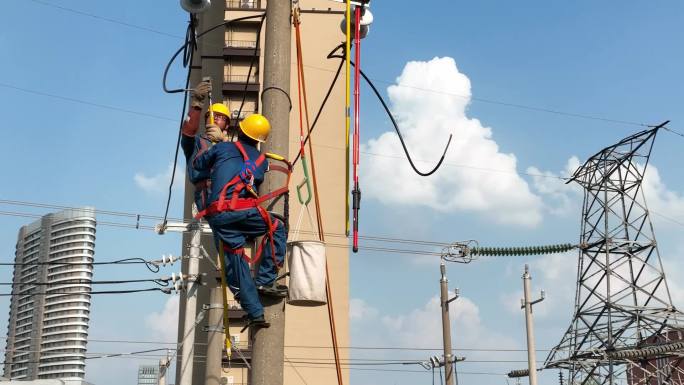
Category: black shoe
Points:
column 258, row 322
column 277, row 291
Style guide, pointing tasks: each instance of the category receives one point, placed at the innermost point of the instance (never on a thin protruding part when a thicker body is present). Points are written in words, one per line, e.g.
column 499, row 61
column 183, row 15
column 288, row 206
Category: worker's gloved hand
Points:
column 199, row 93
column 214, row 133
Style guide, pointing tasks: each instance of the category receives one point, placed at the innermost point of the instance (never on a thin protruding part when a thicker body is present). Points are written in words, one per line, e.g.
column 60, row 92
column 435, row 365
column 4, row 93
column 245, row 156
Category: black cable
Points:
column 191, row 40
column 126, row 261
column 325, row 100
column 396, row 126
column 441, row 380
column 188, row 48
column 84, row 292
column 251, row 65
column 159, row 282
column 263, row 92
column 196, row 37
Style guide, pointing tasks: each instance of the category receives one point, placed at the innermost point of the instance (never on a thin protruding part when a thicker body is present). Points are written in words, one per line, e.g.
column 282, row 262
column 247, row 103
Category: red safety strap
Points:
column 272, row 226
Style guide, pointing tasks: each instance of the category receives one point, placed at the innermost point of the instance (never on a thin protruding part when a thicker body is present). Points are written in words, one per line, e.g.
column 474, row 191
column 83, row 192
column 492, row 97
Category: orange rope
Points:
column 319, row 219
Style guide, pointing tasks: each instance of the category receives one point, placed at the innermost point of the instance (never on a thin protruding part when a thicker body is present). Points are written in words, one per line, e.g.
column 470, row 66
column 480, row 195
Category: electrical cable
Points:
column 188, row 49
column 190, row 38
column 396, row 128
column 85, row 292
column 126, row 261
column 251, row 65
column 160, row 282
column 325, row 100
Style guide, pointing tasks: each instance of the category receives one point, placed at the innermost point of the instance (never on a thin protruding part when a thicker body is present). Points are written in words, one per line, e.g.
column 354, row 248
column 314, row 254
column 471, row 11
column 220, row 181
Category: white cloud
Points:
column 559, row 198
column 659, row 198
column 359, row 309
column 160, row 182
column 164, row 324
column 422, row 327
column 426, row 120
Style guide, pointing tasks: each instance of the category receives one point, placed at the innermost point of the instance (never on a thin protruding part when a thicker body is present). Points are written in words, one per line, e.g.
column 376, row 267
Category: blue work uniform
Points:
column 194, row 146
column 225, row 162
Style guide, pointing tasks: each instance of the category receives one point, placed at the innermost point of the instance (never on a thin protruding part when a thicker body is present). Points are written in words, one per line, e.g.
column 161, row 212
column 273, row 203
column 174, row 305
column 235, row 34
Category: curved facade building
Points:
column 50, row 309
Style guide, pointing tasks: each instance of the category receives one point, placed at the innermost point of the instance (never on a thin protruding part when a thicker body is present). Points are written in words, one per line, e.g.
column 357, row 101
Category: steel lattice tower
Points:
column 625, row 329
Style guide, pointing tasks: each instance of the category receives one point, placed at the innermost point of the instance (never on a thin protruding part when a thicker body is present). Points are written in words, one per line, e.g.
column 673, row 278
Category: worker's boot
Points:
column 273, row 290
column 258, row 322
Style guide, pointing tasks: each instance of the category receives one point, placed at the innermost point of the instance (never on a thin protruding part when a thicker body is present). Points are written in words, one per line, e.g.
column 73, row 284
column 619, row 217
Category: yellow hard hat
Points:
column 256, row 126
column 220, row 108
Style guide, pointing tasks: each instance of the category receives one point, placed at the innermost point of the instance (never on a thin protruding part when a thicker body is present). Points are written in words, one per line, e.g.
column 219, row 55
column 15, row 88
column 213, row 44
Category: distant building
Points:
column 148, row 375
column 668, row 369
column 48, row 325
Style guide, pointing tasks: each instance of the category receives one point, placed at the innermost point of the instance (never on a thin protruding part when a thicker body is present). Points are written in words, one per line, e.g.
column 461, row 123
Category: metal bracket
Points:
column 181, row 227
column 208, row 306
column 215, row 329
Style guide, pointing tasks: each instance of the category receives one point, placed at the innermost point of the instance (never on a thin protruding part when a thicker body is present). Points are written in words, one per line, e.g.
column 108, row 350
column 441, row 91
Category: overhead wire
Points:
column 188, row 49
column 84, row 292
column 398, row 131
column 470, row 97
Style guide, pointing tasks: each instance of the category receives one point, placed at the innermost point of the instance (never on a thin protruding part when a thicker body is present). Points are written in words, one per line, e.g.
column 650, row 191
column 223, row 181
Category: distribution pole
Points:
column 268, row 343
column 527, row 306
column 446, row 325
column 188, row 348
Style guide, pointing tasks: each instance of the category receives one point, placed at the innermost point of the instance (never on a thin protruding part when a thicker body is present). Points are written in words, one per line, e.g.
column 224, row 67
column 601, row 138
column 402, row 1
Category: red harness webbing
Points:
column 236, row 203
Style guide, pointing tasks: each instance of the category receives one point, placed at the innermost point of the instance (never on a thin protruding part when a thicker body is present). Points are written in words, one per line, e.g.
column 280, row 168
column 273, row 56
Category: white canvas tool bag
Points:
column 307, row 263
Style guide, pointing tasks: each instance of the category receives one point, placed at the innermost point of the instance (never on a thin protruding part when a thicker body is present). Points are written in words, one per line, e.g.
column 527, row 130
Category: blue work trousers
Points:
column 233, row 228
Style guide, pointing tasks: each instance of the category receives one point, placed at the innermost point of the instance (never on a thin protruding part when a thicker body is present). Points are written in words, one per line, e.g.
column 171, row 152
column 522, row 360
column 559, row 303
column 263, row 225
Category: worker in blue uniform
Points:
column 234, row 214
column 194, row 143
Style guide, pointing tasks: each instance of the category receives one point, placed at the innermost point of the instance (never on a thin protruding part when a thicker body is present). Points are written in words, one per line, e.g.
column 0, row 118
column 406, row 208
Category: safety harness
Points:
column 245, row 181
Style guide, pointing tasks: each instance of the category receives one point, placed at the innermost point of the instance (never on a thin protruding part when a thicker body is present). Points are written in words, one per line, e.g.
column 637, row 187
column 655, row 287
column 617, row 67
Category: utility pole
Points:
column 188, row 348
column 268, row 343
column 446, row 325
column 188, row 308
column 526, row 304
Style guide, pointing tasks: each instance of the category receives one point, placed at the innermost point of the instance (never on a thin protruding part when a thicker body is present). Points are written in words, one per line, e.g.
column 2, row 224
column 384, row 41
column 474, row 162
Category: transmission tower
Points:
column 625, row 329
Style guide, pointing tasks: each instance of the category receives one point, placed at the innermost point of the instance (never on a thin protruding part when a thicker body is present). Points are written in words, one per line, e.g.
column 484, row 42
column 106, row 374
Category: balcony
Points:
column 236, row 83
column 243, row 4
column 240, row 48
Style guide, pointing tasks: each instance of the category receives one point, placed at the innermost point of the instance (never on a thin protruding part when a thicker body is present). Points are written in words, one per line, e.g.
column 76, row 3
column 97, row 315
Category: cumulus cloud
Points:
column 426, row 120
column 423, row 326
column 659, row 198
column 164, row 324
column 159, row 182
column 559, row 198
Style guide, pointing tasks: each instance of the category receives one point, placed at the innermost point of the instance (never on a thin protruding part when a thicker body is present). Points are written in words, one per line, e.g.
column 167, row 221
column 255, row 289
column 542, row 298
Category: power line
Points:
column 83, row 292
column 85, row 102
column 107, row 19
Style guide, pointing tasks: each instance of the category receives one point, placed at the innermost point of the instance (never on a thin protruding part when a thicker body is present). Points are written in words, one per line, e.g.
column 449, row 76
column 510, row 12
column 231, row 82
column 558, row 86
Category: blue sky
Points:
column 613, row 60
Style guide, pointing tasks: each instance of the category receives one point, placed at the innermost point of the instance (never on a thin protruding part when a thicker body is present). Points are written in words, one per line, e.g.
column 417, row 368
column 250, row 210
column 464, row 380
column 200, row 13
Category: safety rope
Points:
column 356, row 192
column 301, row 83
column 224, row 295
column 347, row 54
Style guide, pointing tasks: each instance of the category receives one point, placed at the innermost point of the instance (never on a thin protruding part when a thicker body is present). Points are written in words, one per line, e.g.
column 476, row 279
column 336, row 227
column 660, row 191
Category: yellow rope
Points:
column 224, row 294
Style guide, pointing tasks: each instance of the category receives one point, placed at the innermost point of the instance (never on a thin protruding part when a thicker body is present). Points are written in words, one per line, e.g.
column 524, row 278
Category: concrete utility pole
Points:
column 446, row 326
column 188, row 348
column 526, row 304
column 268, row 343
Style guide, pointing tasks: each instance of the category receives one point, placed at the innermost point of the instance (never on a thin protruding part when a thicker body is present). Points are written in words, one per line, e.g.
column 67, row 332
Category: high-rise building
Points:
column 148, row 375
column 226, row 56
column 50, row 307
